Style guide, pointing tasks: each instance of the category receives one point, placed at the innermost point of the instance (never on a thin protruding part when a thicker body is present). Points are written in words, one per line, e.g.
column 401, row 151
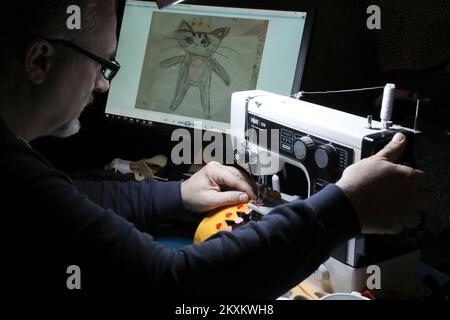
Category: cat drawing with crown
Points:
column 197, row 64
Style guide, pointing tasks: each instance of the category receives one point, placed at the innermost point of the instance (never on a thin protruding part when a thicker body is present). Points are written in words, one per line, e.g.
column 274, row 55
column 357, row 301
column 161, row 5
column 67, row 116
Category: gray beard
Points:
column 72, row 127
column 67, row 130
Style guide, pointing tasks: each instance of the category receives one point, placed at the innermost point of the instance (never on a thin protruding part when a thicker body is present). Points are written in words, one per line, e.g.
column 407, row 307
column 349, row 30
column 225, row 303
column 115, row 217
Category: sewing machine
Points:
column 270, row 131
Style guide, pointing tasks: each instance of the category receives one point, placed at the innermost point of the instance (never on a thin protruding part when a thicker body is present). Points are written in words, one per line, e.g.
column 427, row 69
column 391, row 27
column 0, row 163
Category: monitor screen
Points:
column 181, row 64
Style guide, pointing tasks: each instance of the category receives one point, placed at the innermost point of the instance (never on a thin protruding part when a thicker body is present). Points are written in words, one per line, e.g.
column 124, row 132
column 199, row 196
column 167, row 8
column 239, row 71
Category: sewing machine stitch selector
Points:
column 325, row 156
column 302, row 147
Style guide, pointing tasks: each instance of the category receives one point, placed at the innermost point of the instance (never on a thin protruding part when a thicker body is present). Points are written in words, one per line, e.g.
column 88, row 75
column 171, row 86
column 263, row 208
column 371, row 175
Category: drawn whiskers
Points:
column 218, row 53
column 228, row 48
column 176, row 46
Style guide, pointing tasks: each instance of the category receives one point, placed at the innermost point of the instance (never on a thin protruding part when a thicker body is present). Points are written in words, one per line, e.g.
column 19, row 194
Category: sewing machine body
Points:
column 322, row 142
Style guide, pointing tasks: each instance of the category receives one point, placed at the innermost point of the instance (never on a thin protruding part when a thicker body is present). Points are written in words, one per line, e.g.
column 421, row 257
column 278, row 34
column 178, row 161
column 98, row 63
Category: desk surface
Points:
column 433, row 285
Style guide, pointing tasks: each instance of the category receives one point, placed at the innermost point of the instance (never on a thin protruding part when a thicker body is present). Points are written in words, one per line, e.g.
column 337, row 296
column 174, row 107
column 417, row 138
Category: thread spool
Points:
column 387, row 105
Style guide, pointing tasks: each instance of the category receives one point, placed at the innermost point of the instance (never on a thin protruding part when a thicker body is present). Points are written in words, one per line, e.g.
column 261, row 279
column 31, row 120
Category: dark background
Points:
column 343, row 54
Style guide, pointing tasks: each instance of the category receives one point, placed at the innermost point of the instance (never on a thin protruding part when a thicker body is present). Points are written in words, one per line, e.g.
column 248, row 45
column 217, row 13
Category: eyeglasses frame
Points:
column 112, row 65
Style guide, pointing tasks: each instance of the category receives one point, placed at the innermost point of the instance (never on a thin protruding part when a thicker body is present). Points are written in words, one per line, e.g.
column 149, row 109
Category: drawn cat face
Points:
column 199, row 43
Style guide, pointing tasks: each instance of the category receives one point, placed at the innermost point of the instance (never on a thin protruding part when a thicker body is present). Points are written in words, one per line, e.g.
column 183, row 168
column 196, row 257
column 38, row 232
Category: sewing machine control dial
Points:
column 325, row 156
column 302, row 146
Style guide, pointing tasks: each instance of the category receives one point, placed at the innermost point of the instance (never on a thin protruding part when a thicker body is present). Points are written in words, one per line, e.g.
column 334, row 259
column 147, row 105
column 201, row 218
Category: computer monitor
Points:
column 181, row 64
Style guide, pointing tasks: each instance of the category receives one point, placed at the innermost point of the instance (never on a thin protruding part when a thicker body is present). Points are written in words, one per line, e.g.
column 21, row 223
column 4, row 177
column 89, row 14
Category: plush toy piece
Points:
column 224, row 219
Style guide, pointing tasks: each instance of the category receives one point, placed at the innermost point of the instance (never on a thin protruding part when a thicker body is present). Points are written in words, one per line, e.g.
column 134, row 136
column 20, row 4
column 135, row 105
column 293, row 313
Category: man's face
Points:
column 83, row 76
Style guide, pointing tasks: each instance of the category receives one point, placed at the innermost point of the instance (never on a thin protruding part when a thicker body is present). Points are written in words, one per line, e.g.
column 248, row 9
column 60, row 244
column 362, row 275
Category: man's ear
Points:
column 39, row 58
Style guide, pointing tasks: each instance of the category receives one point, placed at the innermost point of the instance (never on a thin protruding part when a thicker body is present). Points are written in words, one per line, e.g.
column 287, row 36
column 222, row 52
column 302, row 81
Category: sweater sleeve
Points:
column 58, row 226
column 143, row 203
column 335, row 212
column 276, row 253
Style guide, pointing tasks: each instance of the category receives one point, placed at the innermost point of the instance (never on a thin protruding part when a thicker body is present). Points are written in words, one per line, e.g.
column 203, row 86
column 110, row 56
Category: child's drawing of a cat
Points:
column 197, row 64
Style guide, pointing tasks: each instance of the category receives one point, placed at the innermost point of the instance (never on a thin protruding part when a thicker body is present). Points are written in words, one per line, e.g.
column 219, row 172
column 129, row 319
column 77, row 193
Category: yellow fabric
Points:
column 217, row 221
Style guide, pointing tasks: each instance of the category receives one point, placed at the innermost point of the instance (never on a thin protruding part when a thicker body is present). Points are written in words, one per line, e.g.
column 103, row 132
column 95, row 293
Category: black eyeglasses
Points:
column 109, row 68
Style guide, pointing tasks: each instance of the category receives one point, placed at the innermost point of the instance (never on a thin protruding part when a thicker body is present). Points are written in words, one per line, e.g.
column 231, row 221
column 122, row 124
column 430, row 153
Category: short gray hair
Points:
column 23, row 20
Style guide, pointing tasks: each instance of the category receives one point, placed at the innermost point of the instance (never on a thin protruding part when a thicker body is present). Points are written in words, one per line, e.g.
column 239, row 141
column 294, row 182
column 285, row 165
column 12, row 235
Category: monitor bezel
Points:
column 307, row 6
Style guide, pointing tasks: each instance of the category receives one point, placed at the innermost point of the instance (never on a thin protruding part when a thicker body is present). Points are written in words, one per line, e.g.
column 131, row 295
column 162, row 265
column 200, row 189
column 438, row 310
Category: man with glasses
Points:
column 48, row 75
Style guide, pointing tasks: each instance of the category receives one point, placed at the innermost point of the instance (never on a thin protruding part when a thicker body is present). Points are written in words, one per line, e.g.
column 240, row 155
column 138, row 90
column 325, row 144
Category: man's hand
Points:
column 202, row 192
column 387, row 197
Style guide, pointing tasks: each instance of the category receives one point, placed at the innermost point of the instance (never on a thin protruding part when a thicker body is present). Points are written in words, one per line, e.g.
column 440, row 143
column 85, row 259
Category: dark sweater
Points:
column 49, row 225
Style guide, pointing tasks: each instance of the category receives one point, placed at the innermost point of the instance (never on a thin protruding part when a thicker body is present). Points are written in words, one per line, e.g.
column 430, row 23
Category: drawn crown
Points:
column 202, row 24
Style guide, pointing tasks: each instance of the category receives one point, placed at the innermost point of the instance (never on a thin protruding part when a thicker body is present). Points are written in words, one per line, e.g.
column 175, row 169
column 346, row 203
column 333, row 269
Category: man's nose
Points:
column 101, row 84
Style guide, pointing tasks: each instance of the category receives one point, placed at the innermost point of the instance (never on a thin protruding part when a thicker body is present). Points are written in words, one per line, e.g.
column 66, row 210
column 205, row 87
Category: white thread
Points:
column 300, row 94
column 387, row 104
